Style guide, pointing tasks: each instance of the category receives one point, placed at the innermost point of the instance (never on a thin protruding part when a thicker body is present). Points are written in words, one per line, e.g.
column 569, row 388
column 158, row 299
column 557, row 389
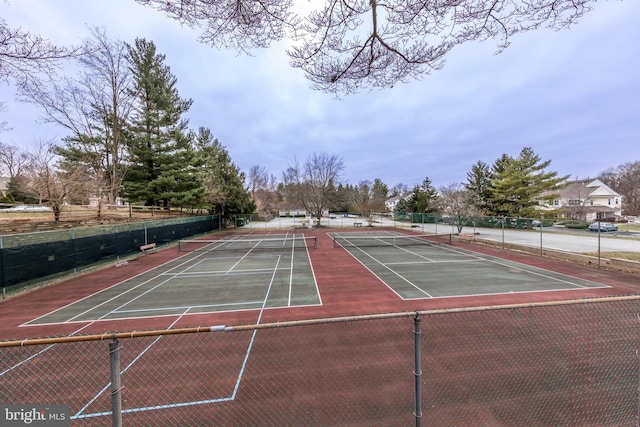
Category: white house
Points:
column 4, row 183
column 391, row 203
column 587, row 199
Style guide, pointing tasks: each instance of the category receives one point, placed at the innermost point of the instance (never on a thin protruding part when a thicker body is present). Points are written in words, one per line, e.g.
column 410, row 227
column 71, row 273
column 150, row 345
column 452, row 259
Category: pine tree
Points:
column 223, row 181
column 161, row 171
column 519, row 181
column 424, row 198
column 479, row 186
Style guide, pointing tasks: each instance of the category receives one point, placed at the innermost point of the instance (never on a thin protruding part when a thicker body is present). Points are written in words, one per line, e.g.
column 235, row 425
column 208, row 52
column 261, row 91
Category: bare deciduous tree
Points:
column 26, row 57
column 625, row 179
column 349, row 45
column 94, row 109
column 50, row 185
column 258, row 178
column 242, row 25
column 309, row 185
column 364, row 201
column 457, row 203
column 262, row 187
column 12, row 159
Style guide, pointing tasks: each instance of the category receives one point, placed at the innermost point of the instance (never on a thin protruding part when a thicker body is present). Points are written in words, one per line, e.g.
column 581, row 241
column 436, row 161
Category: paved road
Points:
column 565, row 240
column 557, row 238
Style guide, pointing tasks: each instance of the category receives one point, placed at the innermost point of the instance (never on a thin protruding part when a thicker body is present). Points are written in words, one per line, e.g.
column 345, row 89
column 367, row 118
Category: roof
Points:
column 583, row 189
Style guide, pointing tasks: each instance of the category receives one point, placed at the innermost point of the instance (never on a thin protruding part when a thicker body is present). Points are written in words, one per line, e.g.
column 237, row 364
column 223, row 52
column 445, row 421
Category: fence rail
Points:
column 555, row 363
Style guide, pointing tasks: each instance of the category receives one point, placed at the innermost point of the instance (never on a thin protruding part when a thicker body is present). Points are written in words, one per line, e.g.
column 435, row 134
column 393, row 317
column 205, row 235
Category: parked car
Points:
column 25, row 208
column 536, row 223
column 603, row 226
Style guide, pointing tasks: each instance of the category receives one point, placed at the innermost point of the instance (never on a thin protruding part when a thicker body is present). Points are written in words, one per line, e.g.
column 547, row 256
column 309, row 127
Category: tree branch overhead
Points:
column 349, row 45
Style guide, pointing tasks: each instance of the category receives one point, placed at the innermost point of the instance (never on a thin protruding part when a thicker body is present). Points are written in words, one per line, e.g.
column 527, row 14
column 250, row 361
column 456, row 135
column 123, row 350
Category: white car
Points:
column 603, row 226
column 25, row 208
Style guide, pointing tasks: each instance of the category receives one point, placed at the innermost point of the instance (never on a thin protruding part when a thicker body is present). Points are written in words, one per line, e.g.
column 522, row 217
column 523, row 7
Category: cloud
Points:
column 567, row 94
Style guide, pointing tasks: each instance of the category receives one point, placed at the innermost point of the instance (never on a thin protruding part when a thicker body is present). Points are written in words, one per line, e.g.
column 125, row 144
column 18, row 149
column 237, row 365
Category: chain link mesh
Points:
column 569, row 365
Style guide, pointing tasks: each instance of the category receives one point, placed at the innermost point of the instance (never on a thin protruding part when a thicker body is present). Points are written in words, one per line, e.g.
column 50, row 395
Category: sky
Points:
column 573, row 96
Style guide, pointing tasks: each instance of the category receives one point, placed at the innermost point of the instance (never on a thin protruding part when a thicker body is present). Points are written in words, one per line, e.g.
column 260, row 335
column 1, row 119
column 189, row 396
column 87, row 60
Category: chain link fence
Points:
column 27, row 258
column 564, row 364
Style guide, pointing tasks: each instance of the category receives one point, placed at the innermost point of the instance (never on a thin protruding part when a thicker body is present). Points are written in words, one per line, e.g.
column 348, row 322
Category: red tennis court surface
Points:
column 537, row 365
column 345, row 286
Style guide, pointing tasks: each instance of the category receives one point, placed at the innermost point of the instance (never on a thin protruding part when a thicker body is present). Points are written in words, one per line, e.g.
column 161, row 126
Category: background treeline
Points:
column 511, row 186
column 127, row 139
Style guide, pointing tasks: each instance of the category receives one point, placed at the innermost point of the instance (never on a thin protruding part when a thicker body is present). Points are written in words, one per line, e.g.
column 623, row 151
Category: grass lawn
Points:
column 631, row 256
column 629, row 227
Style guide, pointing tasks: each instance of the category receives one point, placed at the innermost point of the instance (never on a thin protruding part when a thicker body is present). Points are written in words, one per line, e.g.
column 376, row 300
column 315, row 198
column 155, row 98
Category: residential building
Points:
column 392, row 202
column 587, row 199
column 4, row 185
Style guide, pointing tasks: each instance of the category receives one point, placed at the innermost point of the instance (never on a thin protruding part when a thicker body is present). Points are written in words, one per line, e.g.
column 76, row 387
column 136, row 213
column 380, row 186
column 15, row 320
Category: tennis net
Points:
column 266, row 244
column 404, row 240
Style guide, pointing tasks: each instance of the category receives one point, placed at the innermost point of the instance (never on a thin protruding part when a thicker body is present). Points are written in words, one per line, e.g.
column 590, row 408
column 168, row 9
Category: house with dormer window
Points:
column 587, row 200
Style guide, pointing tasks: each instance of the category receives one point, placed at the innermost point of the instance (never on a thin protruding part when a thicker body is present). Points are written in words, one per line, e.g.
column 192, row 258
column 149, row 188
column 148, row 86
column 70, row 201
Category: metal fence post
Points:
column 418, row 369
column 116, row 397
column 541, row 247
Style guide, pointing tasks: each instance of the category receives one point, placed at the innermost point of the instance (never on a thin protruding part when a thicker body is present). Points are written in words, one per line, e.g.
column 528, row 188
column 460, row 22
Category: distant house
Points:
column 587, row 199
column 292, row 211
column 391, row 203
column 4, row 185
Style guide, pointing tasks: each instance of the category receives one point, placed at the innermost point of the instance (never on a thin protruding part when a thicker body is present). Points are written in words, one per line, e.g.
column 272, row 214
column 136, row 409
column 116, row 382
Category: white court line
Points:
column 245, row 255
column 451, row 261
column 144, row 310
column 291, row 274
column 126, row 368
column 527, row 269
column 29, row 323
column 389, row 269
column 533, row 270
column 214, row 273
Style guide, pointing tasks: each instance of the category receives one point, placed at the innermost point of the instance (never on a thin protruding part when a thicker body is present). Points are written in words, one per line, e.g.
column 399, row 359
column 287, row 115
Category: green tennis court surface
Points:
column 427, row 266
column 209, row 276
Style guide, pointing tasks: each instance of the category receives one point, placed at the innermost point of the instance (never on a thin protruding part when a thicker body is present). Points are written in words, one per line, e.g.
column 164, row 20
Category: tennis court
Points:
column 428, row 266
column 243, row 273
column 265, row 373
